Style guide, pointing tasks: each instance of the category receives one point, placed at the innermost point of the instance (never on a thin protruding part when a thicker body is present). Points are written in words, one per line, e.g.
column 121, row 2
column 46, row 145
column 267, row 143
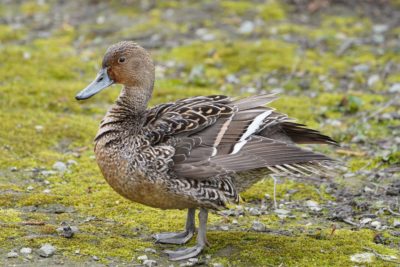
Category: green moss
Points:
column 7, row 33
column 9, row 216
column 272, row 10
column 32, row 7
column 301, row 250
column 303, row 191
column 236, row 7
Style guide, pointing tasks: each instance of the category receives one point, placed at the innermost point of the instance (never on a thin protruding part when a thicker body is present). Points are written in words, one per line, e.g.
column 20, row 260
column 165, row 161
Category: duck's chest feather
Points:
column 139, row 172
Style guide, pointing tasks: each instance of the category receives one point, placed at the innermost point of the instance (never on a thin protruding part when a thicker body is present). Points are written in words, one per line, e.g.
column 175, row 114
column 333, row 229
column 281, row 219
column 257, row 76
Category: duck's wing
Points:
column 186, row 117
column 214, row 136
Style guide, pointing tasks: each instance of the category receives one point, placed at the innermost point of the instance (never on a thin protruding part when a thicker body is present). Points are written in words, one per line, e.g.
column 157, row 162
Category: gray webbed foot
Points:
column 184, row 253
column 174, row 238
column 190, row 252
column 182, row 237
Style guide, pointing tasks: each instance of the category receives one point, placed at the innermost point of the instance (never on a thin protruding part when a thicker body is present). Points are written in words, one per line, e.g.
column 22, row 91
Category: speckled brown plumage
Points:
column 198, row 152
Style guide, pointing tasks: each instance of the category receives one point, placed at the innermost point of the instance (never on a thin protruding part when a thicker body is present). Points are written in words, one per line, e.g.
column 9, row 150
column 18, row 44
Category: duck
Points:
column 197, row 153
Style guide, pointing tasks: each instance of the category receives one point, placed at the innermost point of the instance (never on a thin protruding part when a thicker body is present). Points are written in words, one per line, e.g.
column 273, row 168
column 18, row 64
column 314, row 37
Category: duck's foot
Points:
column 182, row 237
column 187, row 253
column 174, row 238
column 184, row 253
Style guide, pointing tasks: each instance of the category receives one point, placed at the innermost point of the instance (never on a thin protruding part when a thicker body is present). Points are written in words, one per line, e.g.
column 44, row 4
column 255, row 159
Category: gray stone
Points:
column 71, row 162
column 380, row 28
column 246, row 27
column 395, row 88
column 47, row 250
column 313, row 205
column 150, row 250
column 25, row 251
column 373, row 79
column 362, row 257
column 193, row 260
column 282, row 211
column 48, row 173
column 396, row 223
column 95, row 258
column 217, row 264
column 150, row 263
column 365, row 220
column 142, row 258
column 60, row 166
column 258, row 226
column 376, row 224
column 231, row 78
column 13, row 169
column 67, row 231
column 254, row 212
column 361, row 68
column 12, row 254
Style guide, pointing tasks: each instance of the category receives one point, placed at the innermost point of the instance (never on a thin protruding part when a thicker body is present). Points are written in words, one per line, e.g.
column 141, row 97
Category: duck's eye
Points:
column 121, row 60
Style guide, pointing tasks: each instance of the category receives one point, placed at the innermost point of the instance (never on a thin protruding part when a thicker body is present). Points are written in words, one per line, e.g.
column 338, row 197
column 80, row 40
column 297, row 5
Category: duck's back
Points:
column 230, row 144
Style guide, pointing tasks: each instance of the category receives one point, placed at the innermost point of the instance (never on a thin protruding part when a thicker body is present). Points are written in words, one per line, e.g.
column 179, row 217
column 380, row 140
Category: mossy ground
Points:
column 43, row 65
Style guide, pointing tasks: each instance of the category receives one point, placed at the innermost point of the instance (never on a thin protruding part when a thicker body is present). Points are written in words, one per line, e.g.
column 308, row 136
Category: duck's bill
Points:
column 101, row 82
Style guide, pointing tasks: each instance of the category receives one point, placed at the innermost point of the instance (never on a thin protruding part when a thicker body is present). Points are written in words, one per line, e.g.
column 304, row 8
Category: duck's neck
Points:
column 126, row 116
column 132, row 102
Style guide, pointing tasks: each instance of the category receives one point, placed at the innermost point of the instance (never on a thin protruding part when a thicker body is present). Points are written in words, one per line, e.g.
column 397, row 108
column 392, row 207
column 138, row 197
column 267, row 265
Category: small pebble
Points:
column 48, row 173
column 395, row 88
column 71, row 162
column 246, row 27
column 376, row 224
column 150, row 250
column 396, row 223
column 217, row 264
column 258, row 226
column 373, row 79
column 14, row 169
column 60, row 166
column 95, row 258
column 12, row 254
column 380, row 28
column 46, row 191
column 282, row 211
column 362, row 257
column 39, row 128
column 193, row 260
column 254, row 212
column 365, row 220
column 29, row 188
column 224, row 228
column 313, row 205
column 67, row 231
column 361, row 68
column 142, row 258
column 234, row 221
column 25, row 251
column 150, row 263
column 47, row 250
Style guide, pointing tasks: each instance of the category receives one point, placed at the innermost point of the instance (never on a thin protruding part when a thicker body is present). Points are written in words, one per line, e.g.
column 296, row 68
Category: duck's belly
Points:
column 139, row 189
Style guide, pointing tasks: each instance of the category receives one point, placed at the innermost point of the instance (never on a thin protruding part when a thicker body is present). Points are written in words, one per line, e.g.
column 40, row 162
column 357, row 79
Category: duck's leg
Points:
column 186, row 253
column 182, row 237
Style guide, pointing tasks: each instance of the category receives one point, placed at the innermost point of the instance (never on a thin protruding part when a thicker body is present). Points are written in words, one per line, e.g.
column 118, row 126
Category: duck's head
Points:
column 124, row 63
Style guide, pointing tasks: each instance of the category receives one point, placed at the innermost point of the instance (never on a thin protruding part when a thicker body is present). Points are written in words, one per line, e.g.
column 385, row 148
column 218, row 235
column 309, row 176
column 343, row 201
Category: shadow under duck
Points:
column 197, row 152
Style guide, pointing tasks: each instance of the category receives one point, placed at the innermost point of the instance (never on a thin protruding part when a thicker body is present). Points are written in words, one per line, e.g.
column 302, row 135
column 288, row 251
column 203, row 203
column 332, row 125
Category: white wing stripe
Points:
column 253, row 127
